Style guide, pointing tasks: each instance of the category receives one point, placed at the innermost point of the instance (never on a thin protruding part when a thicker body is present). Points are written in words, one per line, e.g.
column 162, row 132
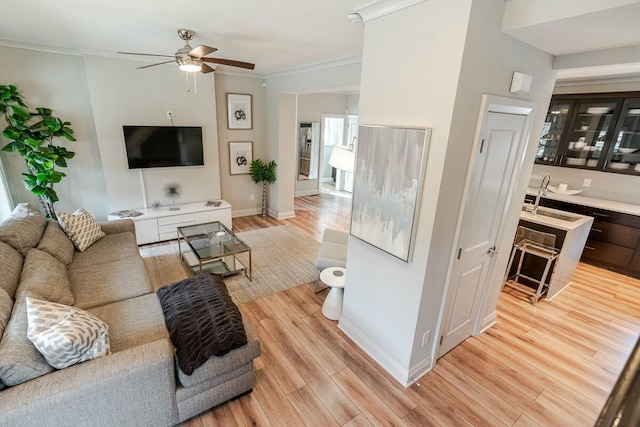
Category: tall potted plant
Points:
column 266, row 174
column 31, row 135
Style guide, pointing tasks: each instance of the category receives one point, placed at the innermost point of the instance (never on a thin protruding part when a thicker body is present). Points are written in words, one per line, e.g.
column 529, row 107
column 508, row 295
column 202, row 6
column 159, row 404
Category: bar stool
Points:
column 533, row 243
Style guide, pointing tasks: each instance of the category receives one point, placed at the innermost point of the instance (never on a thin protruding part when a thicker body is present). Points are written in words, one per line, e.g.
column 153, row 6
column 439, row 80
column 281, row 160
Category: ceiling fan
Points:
column 193, row 59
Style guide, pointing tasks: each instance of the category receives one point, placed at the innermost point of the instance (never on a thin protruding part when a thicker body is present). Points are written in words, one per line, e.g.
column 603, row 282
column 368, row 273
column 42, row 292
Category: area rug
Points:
column 282, row 258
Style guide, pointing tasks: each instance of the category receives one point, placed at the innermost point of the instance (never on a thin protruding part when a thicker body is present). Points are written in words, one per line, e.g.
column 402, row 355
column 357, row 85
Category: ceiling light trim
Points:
column 380, row 8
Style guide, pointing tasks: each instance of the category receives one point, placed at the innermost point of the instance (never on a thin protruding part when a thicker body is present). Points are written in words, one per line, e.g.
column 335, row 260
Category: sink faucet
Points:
column 542, row 191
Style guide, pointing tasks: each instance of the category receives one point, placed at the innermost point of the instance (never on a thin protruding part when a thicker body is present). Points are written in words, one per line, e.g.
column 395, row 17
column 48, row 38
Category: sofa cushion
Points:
column 6, row 305
column 10, row 266
column 213, row 370
column 45, row 277
column 202, row 319
column 20, row 361
column 65, row 335
column 109, row 271
column 55, row 242
column 133, row 322
column 23, row 228
column 81, row 227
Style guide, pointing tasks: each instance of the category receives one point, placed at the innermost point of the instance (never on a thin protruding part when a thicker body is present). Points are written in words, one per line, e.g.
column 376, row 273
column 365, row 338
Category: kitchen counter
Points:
column 610, row 205
column 575, row 229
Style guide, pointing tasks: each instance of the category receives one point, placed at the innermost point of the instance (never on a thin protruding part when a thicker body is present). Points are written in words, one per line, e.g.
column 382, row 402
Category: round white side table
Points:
column 335, row 278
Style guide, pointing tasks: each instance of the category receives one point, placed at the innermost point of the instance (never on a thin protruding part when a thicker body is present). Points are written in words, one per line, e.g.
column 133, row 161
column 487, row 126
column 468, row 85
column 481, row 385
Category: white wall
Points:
column 121, row 95
column 413, row 88
column 238, row 189
column 310, row 109
column 440, row 86
column 57, row 81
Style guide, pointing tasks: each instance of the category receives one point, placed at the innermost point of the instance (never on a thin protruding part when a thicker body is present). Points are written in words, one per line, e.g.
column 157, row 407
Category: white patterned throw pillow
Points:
column 65, row 335
column 81, row 228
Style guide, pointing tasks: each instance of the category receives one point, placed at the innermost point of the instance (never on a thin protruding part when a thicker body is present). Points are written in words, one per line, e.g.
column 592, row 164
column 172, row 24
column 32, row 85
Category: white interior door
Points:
column 489, row 186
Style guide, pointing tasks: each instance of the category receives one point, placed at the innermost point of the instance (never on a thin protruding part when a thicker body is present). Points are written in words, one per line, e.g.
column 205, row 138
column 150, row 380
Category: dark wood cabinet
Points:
column 614, row 239
column 592, row 131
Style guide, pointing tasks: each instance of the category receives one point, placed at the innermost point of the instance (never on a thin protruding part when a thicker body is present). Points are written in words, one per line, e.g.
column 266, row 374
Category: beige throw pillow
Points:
column 65, row 335
column 81, row 227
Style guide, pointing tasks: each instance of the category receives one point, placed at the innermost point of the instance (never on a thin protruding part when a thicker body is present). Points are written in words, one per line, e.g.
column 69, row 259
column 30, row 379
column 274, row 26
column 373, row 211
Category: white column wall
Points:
column 389, row 305
column 409, row 78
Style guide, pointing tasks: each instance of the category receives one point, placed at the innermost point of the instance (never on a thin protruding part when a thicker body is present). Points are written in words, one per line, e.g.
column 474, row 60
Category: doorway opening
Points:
column 337, row 129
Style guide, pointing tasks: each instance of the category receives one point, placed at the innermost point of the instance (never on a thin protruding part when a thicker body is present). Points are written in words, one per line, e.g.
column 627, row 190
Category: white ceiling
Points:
column 604, row 29
column 276, row 35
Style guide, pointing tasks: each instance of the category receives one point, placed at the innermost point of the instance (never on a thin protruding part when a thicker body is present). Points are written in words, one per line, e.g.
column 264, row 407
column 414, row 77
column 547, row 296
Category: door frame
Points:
column 489, row 104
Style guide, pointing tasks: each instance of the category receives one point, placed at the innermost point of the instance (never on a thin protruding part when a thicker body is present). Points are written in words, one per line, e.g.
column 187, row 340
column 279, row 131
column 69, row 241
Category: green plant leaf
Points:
column 50, row 195
column 61, row 162
column 44, row 111
column 56, row 176
column 38, row 190
column 12, row 146
column 21, row 112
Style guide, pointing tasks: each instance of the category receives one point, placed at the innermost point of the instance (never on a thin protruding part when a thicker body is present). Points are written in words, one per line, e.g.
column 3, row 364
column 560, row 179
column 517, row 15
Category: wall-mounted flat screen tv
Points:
column 163, row 146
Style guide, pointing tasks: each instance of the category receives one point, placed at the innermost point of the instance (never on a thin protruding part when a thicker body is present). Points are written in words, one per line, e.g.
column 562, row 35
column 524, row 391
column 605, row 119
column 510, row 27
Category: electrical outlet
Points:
column 169, row 115
column 252, row 197
column 425, row 338
column 586, row 182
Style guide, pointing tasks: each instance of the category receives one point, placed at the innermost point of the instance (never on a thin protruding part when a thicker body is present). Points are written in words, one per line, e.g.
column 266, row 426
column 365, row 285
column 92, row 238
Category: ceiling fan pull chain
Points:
column 186, row 75
column 195, row 84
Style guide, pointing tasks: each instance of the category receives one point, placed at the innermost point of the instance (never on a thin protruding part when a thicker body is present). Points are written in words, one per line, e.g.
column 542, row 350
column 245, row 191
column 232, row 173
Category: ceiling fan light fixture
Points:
column 190, row 65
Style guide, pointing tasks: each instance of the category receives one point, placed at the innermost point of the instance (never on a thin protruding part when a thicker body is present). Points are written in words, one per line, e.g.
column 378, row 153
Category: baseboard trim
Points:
column 282, row 215
column 488, row 322
column 313, row 192
column 406, row 377
column 246, row 212
column 420, row 369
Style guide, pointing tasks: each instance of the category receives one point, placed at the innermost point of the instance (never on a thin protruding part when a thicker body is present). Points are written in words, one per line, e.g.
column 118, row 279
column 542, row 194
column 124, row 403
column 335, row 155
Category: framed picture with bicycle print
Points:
column 240, row 157
column 239, row 113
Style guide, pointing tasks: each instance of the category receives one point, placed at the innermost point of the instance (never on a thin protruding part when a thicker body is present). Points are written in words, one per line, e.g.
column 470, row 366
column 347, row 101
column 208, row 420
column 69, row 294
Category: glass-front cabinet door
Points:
column 624, row 151
column 555, row 126
column 591, row 128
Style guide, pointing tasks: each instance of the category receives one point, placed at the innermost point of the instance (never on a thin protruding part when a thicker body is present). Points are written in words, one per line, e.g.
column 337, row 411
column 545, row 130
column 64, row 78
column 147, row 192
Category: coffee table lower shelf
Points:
column 224, row 266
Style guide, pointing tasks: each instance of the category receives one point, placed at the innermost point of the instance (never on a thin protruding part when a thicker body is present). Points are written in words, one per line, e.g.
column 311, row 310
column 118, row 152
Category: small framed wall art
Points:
column 239, row 113
column 240, row 157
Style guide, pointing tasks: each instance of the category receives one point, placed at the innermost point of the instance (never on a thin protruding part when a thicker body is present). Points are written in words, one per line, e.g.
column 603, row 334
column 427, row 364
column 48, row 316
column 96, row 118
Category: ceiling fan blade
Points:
column 230, row 62
column 206, row 69
column 146, row 54
column 153, row 65
column 202, row 50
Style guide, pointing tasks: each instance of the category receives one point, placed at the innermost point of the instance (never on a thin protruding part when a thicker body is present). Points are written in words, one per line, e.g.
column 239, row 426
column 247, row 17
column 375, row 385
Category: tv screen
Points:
column 163, row 146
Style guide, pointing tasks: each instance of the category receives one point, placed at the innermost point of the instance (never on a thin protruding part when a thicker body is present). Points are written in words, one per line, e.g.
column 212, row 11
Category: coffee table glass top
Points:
column 212, row 240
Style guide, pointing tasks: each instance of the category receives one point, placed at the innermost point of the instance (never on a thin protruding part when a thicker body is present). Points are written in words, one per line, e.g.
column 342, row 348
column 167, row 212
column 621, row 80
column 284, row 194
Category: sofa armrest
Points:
column 118, row 226
column 132, row 387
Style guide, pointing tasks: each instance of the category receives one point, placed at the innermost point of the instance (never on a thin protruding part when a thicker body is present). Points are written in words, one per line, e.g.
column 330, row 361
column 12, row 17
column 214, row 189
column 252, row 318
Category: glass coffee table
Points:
column 213, row 247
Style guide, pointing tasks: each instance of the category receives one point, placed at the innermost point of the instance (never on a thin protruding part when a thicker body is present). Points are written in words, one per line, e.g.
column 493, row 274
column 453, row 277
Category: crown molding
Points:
column 38, row 47
column 347, row 60
column 598, row 81
column 380, row 8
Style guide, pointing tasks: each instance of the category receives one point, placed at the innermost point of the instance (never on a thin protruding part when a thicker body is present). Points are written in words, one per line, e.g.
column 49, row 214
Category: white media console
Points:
column 155, row 225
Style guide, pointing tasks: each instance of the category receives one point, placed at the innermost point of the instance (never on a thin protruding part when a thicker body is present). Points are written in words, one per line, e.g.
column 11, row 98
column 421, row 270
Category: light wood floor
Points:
column 552, row 365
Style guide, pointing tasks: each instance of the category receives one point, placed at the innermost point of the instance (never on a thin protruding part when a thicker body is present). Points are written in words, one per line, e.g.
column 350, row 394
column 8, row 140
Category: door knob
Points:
column 492, row 251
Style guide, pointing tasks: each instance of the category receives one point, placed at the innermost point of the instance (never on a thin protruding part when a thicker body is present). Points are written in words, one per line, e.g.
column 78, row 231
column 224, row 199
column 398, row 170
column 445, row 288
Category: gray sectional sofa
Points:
column 139, row 383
